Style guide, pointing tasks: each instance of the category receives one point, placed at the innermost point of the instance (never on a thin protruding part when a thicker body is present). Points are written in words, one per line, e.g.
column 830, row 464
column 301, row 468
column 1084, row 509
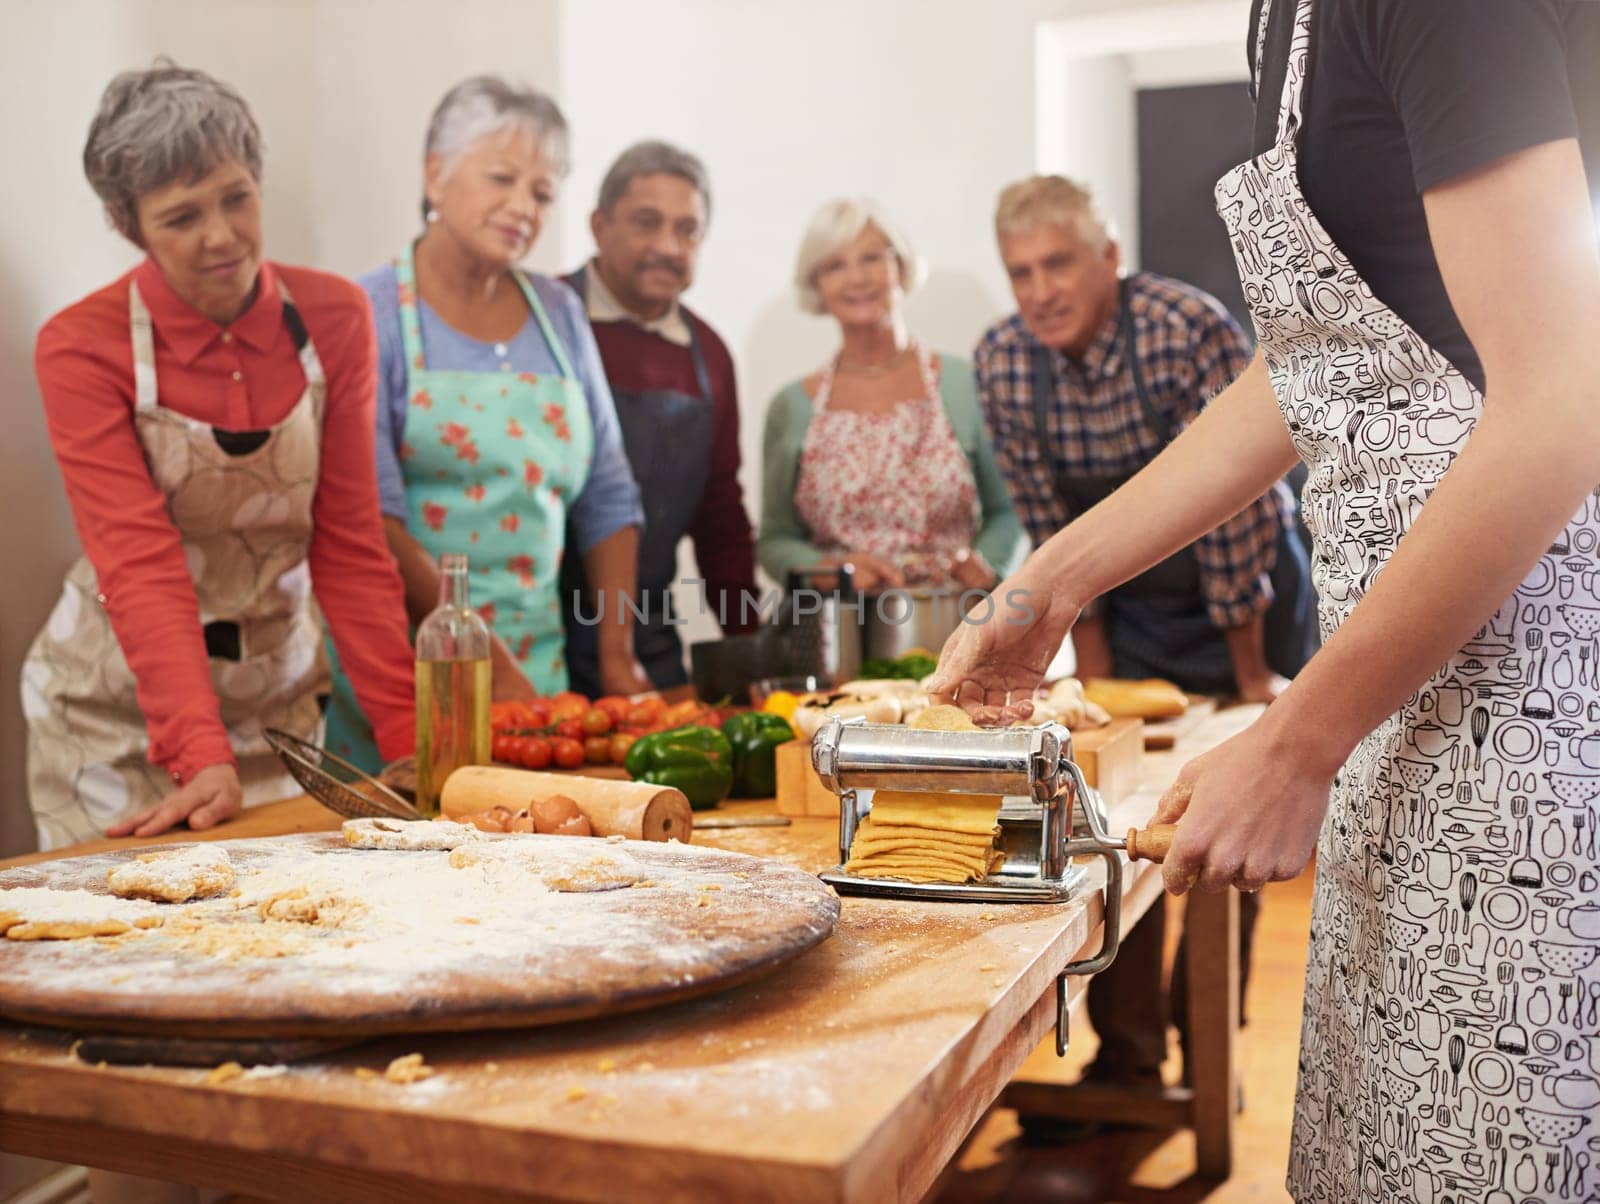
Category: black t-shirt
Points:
column 1403, row 94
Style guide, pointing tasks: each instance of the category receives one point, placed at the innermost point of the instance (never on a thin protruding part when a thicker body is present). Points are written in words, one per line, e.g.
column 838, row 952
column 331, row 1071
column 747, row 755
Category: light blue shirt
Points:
column 609, row 499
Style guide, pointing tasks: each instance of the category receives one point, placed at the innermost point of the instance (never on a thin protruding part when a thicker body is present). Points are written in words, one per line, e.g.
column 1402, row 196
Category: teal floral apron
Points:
column 492, row 461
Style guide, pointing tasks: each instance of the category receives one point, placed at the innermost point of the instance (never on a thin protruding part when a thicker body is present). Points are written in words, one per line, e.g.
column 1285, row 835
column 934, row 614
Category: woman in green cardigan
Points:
column 880, row 459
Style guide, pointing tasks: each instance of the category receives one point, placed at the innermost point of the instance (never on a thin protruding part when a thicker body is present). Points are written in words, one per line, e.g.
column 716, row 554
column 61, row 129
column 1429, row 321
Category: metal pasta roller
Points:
column 1048, row 815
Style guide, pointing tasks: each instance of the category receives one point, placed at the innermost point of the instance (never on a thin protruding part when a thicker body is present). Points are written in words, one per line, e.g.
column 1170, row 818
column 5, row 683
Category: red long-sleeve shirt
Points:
column 246, row 376
column 724, row 549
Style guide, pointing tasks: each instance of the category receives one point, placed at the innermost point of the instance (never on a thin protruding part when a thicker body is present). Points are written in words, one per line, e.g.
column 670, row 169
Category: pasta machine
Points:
column 1048, row 816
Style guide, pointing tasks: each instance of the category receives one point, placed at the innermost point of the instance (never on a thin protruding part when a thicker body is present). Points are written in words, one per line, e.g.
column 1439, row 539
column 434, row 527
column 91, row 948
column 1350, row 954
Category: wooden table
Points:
column 851, row 1074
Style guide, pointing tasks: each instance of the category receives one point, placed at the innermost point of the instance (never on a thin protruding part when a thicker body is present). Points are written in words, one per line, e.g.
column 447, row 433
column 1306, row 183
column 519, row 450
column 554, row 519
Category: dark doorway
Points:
column 1188, row 137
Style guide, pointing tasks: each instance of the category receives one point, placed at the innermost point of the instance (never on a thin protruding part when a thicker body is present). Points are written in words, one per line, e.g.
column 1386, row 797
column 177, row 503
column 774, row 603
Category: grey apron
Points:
column 1157, row 622
column 667, row 436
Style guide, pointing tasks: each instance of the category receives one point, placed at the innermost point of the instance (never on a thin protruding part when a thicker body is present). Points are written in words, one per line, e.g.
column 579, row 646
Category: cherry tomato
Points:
column 568, row 708
column 614, row 705
column 620, row 744
column 570, row 729
column 502, row 748
column 680, row 713
column 646, row 712
column 596, row 722
column 568, row 696
column 535, row 752
column 597, row 750
column 535, row 714
column 568, row 754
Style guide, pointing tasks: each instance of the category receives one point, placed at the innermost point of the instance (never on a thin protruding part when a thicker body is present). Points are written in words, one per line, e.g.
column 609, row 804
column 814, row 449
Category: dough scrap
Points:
column 943, row 718
column 198, row 871
column 47, row 914
column 427, row 835
column 298, row 905
column 561, row 864
column 407, row 1069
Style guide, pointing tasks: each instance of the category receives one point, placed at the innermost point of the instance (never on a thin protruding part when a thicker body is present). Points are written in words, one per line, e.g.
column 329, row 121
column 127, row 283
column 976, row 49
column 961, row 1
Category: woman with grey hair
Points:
column 495, row 424
column 880, row 458
column 211, row 412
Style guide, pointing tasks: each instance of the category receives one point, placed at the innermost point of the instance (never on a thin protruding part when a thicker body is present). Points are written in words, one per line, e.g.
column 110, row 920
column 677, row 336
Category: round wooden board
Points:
column 707, row 920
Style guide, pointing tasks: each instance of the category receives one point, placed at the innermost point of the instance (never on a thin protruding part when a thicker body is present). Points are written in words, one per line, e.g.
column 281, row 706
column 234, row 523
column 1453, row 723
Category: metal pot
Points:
column 896, row 621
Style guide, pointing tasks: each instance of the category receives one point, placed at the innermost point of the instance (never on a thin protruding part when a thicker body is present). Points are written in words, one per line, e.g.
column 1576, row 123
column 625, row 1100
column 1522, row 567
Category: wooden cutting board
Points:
column 1162, row 734
column 425, row 956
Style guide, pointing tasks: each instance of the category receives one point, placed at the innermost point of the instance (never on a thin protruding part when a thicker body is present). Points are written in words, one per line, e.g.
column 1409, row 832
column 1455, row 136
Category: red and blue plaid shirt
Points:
column 1190, row 349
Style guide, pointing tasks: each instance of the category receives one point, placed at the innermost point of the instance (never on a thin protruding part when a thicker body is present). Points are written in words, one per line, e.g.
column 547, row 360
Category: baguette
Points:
column 1150, row 698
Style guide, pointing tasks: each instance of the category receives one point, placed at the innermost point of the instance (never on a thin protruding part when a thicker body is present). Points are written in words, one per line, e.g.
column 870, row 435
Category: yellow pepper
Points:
column 783, row 703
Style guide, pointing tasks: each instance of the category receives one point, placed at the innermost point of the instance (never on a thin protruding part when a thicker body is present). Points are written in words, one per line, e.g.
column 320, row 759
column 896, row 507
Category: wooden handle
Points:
column 636, row 810
column 1152, row 843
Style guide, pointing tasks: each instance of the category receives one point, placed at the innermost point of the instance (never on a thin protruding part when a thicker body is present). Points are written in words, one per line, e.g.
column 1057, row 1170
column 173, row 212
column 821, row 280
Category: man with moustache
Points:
column 676, row 397
column 1093, row 376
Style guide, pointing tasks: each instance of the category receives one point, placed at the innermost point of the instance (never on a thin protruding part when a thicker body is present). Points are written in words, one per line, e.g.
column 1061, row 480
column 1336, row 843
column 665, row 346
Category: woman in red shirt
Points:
column 212, row 414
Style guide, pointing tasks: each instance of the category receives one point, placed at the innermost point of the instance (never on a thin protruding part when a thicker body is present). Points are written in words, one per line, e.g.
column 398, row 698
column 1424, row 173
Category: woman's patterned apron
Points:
column 241, row 502
column 492, row 463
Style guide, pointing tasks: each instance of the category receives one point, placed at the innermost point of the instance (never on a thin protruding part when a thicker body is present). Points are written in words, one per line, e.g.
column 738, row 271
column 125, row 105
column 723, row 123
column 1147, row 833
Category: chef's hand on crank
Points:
column 996, row 657
column 1251, row 809
column 209, row 798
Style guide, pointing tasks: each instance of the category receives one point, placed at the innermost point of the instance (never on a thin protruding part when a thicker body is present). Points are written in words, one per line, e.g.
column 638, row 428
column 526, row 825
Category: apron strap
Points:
column 310, row 361
column 1130, row 348
column 1294, row 76
column 1259, row 50
column 142, row 335
column 701, row 376
column 557, row 349
column 405, row 277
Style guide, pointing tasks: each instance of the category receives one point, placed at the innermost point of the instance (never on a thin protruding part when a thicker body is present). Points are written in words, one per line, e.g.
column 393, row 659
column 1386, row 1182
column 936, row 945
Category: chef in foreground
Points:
column 1427, row 347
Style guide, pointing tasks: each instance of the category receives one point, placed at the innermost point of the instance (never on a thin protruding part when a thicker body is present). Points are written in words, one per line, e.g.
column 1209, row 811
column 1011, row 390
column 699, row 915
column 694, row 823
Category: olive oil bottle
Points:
column 452, row 686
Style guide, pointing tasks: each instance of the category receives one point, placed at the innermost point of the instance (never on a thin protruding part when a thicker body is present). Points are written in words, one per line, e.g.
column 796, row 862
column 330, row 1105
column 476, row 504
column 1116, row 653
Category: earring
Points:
column 433, row 214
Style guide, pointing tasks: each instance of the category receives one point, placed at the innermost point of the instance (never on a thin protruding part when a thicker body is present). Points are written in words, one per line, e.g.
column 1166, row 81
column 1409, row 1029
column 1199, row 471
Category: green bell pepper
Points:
column 754, row 736
column 696, row 760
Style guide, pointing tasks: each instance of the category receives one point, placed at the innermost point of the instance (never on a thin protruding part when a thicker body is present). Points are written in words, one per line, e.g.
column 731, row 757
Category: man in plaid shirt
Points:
column 1082, row 387
column 1113, row 369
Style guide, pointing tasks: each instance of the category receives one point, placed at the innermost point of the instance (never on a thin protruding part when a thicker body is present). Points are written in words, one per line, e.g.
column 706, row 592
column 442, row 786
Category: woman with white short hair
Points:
column 496, row 428
column 879, row 459
column 211, row 412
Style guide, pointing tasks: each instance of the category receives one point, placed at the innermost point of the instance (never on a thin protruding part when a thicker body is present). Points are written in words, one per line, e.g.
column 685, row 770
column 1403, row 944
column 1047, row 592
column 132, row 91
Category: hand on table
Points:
column 621, row 673
column 991, row 668
column 211, row 797
column 1251, row 810
column 507, row 681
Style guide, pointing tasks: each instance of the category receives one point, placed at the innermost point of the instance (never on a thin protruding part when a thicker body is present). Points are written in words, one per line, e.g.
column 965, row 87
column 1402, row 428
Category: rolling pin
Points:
column 636, row 810
column 1147, row 844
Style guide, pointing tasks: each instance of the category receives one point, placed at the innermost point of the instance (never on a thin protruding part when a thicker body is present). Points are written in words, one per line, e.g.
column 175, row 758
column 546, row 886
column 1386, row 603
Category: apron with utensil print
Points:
column 1450, row 1047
